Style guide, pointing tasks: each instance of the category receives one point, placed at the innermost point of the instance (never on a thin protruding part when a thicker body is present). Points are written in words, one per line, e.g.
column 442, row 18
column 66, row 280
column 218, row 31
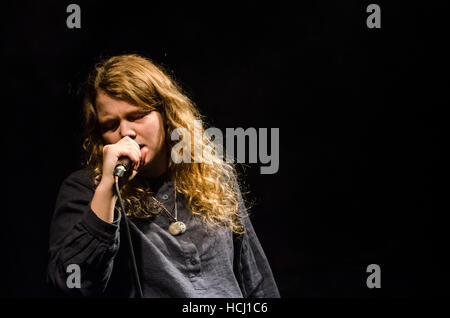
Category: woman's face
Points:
column 118, row 119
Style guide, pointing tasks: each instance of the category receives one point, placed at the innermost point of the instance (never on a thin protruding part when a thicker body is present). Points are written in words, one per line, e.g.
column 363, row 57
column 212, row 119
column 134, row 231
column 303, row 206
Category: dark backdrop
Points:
column 358, row 127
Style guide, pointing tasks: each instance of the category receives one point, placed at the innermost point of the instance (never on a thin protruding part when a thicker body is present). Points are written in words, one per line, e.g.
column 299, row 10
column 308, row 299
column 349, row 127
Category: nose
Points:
column 126, row 129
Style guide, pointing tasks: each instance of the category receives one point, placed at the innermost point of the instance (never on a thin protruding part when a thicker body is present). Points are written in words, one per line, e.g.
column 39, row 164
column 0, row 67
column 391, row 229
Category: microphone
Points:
column 122, row 167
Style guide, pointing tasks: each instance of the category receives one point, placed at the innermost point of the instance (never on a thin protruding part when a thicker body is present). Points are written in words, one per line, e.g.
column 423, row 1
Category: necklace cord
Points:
column 175, row 195
column 169, row 215
column 176, row 227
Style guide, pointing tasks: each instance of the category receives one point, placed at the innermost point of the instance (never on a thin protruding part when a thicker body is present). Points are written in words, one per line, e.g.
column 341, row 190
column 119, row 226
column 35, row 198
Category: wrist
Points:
column 104, row 200
column 107, row 182
column 106, row 186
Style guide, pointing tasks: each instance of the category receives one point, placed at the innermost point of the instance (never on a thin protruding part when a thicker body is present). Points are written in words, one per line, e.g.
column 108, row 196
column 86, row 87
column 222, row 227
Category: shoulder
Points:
column 83, row 177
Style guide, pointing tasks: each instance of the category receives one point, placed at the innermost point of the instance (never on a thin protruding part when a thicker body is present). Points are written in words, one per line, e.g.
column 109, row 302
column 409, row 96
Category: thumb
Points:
column 144, row 152
column 133, row 174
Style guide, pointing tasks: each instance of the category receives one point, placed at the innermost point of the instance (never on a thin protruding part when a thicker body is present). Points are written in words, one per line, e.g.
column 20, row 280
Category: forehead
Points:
column 107, row 106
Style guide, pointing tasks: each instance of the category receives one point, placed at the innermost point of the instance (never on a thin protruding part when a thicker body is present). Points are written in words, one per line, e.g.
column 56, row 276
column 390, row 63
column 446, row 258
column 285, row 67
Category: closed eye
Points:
column 137, row 116
column 109, row 125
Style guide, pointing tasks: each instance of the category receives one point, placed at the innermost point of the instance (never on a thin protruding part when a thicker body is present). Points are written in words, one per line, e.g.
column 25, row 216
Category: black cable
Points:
column 130, row 244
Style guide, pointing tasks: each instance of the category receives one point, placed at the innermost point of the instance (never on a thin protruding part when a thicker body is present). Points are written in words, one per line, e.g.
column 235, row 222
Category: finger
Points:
column 144, row 152
column 137, row 153
column 131, row 154
column 135, row 157
column 136, row 160
column 130, row 141
column 133, row 174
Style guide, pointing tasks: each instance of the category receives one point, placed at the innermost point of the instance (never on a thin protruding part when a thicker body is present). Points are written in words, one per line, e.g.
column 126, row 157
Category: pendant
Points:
column 176, row 228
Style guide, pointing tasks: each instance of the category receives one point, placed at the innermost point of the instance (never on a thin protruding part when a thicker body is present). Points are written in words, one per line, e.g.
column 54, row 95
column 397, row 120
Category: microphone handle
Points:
column 125, row 161
column 123, row 166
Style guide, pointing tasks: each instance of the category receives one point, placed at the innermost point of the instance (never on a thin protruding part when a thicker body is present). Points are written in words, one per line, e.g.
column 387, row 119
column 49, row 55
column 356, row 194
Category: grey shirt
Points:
column 202, row 262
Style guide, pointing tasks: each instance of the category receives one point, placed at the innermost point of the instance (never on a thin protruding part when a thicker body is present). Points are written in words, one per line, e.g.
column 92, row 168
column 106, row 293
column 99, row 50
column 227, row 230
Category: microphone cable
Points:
column 130, row 243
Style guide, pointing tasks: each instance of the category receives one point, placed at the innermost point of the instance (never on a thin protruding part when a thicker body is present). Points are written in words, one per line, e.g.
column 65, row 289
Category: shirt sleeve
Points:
column 82, row 246
column 256, row 276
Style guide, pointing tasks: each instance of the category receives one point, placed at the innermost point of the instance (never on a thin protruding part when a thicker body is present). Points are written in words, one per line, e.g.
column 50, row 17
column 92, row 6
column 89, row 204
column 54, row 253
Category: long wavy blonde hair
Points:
column 211, row 187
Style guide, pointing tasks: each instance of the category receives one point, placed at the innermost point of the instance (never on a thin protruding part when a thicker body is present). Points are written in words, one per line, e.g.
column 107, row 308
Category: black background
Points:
column 356, row 108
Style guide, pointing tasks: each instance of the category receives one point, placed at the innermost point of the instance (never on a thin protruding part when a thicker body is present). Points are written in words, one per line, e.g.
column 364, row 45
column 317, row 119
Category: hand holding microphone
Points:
column 122, row 159
column 124, row 156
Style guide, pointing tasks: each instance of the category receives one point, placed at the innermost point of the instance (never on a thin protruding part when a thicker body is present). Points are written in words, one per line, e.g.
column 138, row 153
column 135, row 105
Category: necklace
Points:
column 176, row 227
